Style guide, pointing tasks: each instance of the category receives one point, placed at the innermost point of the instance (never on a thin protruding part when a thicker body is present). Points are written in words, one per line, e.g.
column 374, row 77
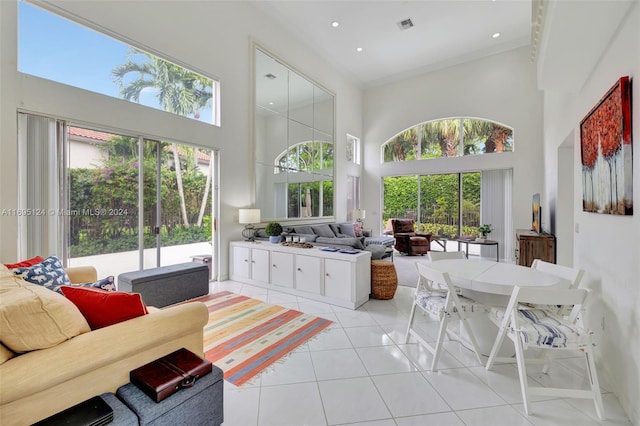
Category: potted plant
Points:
column 485, row 230
column 273, row 230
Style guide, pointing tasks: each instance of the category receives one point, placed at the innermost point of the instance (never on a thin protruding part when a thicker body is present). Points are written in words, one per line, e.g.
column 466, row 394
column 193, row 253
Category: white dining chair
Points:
column 573, row 275
column 433, row 256
column 531, row 327
column 446, row 305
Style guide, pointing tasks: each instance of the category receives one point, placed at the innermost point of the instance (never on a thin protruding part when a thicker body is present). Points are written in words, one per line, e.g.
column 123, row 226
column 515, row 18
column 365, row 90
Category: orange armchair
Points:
column 407, row 240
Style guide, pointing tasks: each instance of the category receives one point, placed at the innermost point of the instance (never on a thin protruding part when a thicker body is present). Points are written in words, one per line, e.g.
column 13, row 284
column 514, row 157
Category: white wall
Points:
column 605, row 246
column 210, row 37
column 499, row 88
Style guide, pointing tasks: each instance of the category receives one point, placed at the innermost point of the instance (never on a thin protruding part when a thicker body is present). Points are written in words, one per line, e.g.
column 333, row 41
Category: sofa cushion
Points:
column 49, row 273
column 323, row 231
column 347, row 229
column 5, row 354
column 33, row 317
column 103, row 308
column 25, row 263
column 335, row 228
column 352, row 242
column 303, row 230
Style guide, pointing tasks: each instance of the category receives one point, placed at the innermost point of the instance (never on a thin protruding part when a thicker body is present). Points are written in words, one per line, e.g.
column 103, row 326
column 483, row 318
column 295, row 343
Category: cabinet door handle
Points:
column 274, row 265
column 327, row 274
column 246, row 260
column 253, row 261
column 299, row 270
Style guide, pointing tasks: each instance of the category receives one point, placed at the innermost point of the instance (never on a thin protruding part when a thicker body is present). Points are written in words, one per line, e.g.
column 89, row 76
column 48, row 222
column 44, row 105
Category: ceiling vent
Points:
column 270, row 76
column 405, row 24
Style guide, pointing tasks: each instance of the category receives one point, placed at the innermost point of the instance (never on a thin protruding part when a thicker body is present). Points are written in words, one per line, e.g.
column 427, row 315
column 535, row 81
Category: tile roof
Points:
column 103, row 137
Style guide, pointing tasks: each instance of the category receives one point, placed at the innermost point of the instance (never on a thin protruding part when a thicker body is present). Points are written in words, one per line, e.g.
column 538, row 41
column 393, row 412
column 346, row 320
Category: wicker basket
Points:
column 384, row 279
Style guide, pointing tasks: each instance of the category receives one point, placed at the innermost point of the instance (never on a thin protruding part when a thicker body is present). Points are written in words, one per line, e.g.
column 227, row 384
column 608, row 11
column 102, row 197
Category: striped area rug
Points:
column 244, row 336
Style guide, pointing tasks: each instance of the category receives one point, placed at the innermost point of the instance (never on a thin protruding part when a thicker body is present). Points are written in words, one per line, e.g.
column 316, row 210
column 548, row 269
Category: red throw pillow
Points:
column 25, row 263
column 103, row 308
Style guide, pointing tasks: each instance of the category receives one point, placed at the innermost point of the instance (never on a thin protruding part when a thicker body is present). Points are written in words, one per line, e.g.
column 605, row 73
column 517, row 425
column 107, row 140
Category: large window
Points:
column 453, row 137
column 452, row 205
column 443, row 204
column 114, row 201
column 60, row 50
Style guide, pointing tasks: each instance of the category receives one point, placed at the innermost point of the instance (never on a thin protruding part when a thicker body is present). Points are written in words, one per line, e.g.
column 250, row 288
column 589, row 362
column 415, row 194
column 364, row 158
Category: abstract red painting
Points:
column 606, row 146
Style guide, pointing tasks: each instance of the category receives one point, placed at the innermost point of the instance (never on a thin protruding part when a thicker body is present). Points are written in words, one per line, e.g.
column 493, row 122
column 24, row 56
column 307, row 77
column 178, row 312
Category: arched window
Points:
column 451, row 137
column 306, row 156
column 304, row 177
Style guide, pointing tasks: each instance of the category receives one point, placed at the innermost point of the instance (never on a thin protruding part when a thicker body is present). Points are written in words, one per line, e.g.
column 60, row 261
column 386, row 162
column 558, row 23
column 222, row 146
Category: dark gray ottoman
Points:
column 198, row 405
column 168, row 284
column 122, row 416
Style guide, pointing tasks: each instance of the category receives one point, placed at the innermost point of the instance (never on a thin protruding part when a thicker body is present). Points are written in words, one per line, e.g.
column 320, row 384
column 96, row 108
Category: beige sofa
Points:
column 39, row 383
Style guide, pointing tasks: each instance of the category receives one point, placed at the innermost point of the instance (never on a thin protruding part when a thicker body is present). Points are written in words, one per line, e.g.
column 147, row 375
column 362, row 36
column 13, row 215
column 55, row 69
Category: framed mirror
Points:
column 293, row 142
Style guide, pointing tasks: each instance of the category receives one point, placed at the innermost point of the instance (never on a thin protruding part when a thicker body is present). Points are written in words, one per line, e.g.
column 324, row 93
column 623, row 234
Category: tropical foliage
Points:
column 306, row 156
column 104, row 201
column 441, row 138
column 433, row 202
column 179, row 90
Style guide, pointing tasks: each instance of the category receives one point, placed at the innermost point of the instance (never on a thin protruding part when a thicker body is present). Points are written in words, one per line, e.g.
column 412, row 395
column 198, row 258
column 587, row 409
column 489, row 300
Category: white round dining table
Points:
column 495, row 278
column 492, row 283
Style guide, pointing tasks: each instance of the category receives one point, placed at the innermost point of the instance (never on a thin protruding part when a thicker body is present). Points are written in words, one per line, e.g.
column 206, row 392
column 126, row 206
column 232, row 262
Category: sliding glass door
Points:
column 141, row 203
column 113, row 201
column 450, row 205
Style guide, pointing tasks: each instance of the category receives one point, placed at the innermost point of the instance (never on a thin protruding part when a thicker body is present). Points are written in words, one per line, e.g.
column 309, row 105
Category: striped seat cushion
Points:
column 433, row 302
column 542, row 328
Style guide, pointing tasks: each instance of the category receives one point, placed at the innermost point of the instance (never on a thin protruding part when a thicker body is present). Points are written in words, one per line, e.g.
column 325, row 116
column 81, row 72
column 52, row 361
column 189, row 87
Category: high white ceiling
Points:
column 445, row 32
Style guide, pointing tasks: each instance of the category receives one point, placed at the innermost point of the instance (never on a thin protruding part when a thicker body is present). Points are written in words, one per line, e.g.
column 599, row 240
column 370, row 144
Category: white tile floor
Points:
column 359, row 372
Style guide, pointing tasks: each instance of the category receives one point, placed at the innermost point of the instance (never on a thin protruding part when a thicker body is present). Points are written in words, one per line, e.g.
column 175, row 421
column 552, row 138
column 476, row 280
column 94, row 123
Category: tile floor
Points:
column 360, row 372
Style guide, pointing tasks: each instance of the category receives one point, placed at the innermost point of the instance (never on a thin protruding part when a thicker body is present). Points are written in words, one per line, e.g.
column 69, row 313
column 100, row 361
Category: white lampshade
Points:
column 247, row 216
column 359, row 214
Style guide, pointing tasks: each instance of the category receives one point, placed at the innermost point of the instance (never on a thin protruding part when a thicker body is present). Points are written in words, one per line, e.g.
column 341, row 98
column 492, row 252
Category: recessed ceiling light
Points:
column 335, row 24
column 270, row 103
column 405, row 24
column 358, row 49
column 495, row 35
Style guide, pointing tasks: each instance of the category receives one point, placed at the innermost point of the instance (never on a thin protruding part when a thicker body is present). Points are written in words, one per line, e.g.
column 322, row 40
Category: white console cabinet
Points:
column 341, row 279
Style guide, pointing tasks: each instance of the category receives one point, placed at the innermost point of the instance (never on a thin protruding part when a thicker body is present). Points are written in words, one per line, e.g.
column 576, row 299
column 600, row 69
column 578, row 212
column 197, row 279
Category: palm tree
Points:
column 178, row 90
column 445, row 133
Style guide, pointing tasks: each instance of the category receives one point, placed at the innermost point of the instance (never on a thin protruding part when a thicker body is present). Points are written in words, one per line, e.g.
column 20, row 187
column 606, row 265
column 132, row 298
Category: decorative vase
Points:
column 275, row 239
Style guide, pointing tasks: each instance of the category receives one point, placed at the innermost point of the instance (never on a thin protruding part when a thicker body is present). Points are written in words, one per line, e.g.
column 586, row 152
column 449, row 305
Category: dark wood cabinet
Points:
column 531, row 245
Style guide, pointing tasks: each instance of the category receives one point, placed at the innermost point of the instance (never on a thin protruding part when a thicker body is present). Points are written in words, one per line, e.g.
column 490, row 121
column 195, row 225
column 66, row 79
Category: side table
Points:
column 481, row 243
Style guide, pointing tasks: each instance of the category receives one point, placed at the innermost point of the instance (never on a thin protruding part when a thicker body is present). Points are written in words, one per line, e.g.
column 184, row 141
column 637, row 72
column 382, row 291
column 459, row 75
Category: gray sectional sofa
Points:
column 338, row 235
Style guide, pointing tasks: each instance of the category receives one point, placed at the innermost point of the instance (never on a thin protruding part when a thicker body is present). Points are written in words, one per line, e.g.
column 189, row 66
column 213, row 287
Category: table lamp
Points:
column 248, row 217
column 358, row 215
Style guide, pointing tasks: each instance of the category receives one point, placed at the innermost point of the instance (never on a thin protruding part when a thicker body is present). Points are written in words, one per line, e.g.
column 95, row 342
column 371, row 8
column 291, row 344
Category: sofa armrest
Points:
column 82, row 274
column 427, row 236
column 403, row 236
column 34, row 371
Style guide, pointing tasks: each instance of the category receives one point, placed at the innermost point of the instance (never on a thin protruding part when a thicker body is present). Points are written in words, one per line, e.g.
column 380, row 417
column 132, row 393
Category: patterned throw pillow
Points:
column 49, row 274
column 106, row 284
column 357, row 229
